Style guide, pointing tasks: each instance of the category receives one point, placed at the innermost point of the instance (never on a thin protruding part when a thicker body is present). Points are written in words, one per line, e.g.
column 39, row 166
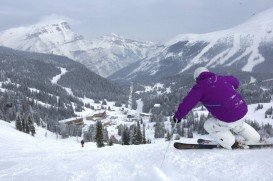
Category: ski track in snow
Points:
column 57, row 77
column 27, row 158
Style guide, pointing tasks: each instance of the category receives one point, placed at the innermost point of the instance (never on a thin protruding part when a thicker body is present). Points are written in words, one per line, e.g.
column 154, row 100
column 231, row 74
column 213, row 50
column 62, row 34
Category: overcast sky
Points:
column 154, row 20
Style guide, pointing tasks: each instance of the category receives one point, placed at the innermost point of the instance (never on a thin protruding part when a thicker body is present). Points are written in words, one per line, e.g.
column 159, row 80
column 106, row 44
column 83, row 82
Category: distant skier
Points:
column 219, row 95
column 82, row 142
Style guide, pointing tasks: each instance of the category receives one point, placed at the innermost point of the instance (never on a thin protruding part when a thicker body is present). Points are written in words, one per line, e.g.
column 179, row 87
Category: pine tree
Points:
column 19, row 124
column 27, row 129
column 120, row 129
column 138, row 136
column 105, row 135
column 125, row 136
column 133, row 134
column 31, row 126
column 143, row 135
column 23, row 125
column 99, row 134
column 110, row 143
column 269, row 111
column 112, row 140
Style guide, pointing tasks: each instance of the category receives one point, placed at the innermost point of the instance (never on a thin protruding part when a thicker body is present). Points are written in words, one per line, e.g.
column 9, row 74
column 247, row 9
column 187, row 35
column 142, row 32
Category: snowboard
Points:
column 209, row 144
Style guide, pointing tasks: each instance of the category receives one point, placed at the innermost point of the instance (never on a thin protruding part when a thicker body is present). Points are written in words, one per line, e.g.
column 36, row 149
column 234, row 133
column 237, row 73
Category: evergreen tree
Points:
column 138, row 136
column 133, row 134
column 125, row 136
column 105, row 135
column 23, row 125
column 120, row 129
column 269, row 111
column 144, row 141
column 112, row 140
column 18, row 124
column 27, row 129
column 31, row 126
column 104, row 103
column 99, row 134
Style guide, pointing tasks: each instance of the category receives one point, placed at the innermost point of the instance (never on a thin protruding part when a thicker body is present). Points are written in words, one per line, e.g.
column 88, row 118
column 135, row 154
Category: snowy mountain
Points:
column 109, row 54
column 103, row 56
column 246, row 47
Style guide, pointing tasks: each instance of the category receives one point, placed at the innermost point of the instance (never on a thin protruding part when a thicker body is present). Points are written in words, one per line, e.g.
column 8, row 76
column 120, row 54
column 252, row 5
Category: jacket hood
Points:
column 205, row 75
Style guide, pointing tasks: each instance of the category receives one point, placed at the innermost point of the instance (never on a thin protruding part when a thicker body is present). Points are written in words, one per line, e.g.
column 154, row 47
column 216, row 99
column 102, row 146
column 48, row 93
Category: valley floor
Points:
column 24, row 157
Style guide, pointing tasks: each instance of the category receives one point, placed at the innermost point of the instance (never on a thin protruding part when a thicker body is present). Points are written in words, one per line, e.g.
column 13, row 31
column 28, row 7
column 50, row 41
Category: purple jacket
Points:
column 218, row 94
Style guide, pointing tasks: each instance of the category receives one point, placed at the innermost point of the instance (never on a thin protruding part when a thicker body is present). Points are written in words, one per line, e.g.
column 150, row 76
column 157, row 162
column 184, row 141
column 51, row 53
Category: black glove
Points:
column 176, row 120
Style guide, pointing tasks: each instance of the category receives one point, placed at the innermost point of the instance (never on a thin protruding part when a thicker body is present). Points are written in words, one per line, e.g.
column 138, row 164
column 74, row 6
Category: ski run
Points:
column 44, row 157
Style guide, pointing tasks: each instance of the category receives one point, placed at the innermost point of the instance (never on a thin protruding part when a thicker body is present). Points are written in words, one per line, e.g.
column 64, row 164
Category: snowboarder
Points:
column 219, row 95
column 82, row 142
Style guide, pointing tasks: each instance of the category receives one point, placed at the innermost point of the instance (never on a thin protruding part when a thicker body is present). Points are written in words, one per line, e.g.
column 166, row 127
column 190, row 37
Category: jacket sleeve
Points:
column 233, row 81
column 189, row 102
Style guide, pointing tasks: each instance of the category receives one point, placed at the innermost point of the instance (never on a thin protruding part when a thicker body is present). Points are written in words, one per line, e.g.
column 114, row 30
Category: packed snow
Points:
column 44, row 157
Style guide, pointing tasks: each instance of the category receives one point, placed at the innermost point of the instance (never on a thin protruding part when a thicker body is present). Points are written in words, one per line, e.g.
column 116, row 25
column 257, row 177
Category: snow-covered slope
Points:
column 24, row 157
column 104, row 56
column 246, row 47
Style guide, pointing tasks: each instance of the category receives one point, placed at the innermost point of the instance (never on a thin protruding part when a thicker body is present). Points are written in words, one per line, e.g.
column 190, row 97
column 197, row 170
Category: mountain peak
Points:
column 115, row 35
column 261, row 23
column 104, row 55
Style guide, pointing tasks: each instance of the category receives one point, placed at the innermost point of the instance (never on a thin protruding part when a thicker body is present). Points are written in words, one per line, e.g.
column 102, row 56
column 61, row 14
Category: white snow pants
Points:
column 221, row 132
